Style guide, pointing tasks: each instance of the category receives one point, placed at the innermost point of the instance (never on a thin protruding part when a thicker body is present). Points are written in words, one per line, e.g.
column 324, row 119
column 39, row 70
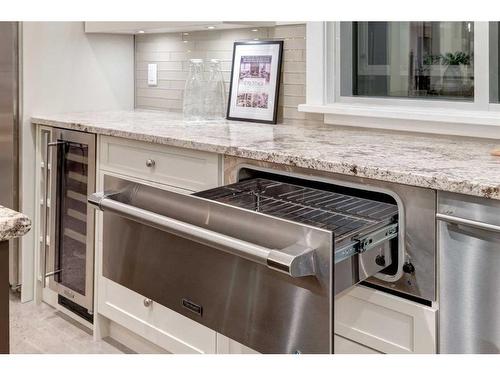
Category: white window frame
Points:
column 477, row 118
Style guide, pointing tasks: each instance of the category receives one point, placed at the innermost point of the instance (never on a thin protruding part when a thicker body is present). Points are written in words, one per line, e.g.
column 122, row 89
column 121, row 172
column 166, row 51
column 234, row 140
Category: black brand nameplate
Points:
column 197, row 309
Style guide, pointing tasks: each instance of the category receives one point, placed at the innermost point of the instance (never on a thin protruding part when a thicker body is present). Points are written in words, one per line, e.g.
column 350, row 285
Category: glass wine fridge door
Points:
column 69, row 265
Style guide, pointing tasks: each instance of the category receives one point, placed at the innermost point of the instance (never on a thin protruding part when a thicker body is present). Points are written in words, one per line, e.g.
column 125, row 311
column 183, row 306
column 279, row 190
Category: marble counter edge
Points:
column 13, row 224
column 407, row 178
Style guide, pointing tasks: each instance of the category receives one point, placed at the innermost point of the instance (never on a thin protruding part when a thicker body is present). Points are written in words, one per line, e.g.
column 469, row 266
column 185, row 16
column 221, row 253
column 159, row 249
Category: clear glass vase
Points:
column 194, row 92
column 215, row 93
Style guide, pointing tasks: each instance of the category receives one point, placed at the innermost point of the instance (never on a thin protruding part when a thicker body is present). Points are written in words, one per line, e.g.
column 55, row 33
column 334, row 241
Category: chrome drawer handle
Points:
column 147, row 302
column 468, row 222
column 150, row 163
column 296, row 260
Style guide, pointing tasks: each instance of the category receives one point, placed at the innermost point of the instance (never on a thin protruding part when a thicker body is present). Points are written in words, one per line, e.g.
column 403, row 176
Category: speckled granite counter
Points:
column 13, row 224
column 455, row 164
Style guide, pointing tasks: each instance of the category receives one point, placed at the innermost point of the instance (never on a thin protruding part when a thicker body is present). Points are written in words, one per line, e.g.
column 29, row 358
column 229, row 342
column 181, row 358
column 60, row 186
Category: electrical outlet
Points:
column 152, row 74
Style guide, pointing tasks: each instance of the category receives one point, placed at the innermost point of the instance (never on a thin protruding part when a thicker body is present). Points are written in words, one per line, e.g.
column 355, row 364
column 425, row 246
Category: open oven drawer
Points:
column 265, row 280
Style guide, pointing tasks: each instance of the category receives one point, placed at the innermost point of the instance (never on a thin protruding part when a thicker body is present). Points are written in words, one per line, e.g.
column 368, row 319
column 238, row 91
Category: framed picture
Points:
column 255, row 81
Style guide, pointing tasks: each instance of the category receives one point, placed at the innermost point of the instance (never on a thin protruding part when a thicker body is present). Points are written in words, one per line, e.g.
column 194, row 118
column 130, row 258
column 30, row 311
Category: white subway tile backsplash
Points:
column 172, row 51
column 294, row 66
column 168, row 46
column 172, row 75
column 294, row 55
column 292, row 101
column 152, row 56
column 294, row 78
column 220, row 55
column 155, row 92
column 294, row 90
column 162, row 65
column 159, row 103
column 179, row 56
column 296, row 31
column 295, row 44
column 162, row 85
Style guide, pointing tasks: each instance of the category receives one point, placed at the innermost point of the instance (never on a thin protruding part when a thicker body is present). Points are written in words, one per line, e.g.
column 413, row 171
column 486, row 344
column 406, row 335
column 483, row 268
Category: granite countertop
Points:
column 13, row 224
column 456, row 164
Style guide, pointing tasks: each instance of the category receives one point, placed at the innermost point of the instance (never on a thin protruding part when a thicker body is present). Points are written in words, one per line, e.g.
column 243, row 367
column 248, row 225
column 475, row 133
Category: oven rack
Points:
column 343, row 214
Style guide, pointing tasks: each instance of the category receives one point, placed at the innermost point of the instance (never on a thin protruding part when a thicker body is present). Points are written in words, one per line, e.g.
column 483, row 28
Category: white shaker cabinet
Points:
column 170, row 168
column 385, row 323
column 225, row 345
column 366, row 320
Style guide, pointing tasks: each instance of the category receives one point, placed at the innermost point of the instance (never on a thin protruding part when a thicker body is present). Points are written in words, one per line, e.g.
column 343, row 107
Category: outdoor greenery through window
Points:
column 429, row 60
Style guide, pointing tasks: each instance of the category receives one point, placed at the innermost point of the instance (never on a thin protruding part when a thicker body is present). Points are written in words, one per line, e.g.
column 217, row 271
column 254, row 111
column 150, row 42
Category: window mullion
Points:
column 481, row 65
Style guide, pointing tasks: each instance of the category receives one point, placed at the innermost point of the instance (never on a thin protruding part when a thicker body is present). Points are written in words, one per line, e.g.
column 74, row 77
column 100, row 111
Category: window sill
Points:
column 475, row 123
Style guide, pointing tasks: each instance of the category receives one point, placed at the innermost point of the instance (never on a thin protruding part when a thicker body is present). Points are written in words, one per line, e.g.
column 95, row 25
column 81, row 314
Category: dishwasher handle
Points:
column 295, row 260
column 468, row 222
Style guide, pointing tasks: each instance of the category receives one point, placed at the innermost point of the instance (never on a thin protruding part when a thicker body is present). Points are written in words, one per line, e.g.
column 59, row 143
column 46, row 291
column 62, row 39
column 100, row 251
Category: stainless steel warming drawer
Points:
column 259, row 261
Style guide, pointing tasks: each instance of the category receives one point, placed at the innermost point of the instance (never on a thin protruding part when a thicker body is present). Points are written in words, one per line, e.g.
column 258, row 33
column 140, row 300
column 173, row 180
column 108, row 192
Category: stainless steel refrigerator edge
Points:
column 9, row 132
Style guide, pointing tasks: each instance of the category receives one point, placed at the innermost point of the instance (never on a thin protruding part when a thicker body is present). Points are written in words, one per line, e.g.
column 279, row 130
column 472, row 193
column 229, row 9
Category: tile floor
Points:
column 42, row 329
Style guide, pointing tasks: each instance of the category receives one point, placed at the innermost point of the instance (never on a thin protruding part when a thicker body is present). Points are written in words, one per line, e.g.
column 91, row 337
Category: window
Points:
column 443, row 77
column 429, row 60
column 494, row 36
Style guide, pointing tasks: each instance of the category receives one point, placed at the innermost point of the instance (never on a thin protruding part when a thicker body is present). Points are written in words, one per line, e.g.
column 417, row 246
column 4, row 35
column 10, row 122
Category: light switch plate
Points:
column 152, row 74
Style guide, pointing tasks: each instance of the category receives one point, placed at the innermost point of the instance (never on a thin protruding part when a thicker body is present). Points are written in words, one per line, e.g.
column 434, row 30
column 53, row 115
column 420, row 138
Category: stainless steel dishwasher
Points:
column 469, row 277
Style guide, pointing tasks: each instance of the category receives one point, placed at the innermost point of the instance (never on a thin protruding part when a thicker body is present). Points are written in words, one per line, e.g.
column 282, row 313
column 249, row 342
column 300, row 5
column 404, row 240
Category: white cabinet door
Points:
column 175, row 169
column 384, row 322
column 227, row 346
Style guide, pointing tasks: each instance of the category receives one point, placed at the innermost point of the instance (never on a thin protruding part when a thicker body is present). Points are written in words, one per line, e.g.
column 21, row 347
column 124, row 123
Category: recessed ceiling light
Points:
column 184, row 41
column 140, row 32
column 255, row 30
column 185, row 33
column 210, row 27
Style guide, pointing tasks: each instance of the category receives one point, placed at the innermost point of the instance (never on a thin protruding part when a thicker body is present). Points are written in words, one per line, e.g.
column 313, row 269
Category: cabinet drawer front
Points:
column 156, row 323
column 227, row 346
column 183, row 168
column 345, row 346
column 386, row 323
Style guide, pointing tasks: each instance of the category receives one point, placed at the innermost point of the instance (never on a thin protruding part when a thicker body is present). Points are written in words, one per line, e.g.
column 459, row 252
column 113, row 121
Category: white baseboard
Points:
column 133, row 341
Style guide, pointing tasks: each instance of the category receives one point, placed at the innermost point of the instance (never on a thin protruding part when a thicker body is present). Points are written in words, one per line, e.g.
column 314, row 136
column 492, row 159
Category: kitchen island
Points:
column 446, row 163
column 12, row 224
column 160, row 150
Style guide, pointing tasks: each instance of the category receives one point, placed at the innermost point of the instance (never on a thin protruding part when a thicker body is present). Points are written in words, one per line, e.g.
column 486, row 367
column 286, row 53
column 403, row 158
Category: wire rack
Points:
column 342, row 214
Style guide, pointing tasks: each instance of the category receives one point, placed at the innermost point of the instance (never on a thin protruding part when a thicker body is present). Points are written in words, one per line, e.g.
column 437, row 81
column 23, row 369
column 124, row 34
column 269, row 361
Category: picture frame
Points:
column 255, row 81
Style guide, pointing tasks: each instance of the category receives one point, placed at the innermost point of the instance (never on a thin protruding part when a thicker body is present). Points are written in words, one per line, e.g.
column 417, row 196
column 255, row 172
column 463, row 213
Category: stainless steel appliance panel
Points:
column 8, row 114
column 9, row 133
column 469, row 260
column 355, row 222
column 417, row 224
column 215, row 279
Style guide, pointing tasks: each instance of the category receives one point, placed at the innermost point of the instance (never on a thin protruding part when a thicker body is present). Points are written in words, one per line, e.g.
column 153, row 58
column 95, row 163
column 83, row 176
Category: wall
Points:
column 65, row 70
column 171, row 52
